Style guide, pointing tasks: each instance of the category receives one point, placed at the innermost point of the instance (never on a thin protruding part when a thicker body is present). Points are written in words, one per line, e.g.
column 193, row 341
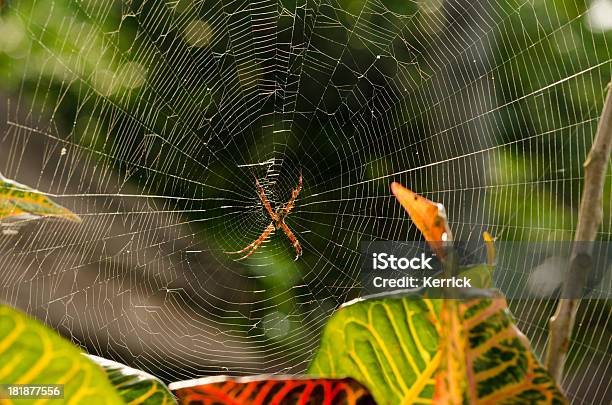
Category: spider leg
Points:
column 294, row 194
column 264, row 200
column 293, row 239
column 253, row 246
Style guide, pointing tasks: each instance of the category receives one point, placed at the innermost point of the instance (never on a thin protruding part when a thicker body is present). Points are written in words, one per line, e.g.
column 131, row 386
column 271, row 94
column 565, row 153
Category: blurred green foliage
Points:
column 69, row 58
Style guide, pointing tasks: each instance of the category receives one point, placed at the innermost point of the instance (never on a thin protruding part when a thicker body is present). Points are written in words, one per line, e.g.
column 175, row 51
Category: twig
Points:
column 589, row 220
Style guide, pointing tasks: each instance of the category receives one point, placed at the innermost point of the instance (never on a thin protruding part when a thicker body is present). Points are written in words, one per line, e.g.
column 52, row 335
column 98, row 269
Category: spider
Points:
column 278, row 222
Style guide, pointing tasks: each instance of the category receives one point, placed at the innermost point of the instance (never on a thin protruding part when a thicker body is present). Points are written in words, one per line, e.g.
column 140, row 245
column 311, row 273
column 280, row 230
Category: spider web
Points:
column 151, row 120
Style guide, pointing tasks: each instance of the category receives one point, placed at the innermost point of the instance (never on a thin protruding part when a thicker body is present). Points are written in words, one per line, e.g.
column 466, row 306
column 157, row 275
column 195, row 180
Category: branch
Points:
column 589, row 220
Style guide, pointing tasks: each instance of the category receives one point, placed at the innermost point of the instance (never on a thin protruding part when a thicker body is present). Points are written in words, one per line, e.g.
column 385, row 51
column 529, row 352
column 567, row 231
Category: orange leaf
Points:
column 450, row 387
column 428, row 216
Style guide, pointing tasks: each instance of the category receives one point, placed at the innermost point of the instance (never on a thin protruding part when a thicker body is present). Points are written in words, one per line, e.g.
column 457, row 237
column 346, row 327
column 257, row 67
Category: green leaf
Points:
column 30, row 353
column 502, row 369
column 404, row 349
column 18, row 201
column 135, row 386
column 389, row 345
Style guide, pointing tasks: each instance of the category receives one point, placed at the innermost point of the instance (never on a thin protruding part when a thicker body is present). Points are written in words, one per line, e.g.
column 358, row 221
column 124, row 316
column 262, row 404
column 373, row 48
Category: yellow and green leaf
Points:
column 501, row 367
column 135, row 386
column 18, row 201
column 407, row 350
column 30, row 353
column 415, row 350
column 388, row 344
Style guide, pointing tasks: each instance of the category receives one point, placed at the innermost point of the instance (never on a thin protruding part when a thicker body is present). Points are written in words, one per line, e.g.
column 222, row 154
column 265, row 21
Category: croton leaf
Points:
column 400, row 347
column 489, row 243
column 18, row 201
column 428, row 216
column 411, row 349
column 501, row 367
column 135, row 386
column 450, row 377
column 271, row 391
column 30, row 353
column 481, row 275
column 388, row 344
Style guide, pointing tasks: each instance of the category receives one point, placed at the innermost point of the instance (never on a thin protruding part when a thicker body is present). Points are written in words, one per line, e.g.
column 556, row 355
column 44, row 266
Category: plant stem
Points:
column 589, row 220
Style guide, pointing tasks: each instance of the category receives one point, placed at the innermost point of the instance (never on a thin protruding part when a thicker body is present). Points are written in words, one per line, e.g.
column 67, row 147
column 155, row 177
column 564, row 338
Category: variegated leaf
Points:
column 501, row 367
column 263, row 390
column 403, row 349
column 30, row 353
column 389, row 344
column 450, row 377
column 135, row 386
column 18, row 202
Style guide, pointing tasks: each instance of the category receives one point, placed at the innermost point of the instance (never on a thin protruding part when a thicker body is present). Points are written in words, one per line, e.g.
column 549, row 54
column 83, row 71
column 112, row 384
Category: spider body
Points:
column 278, row 222
column 280, row 215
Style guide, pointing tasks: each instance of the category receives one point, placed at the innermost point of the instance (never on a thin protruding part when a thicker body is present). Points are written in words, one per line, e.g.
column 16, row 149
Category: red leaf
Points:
column 271, row 391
